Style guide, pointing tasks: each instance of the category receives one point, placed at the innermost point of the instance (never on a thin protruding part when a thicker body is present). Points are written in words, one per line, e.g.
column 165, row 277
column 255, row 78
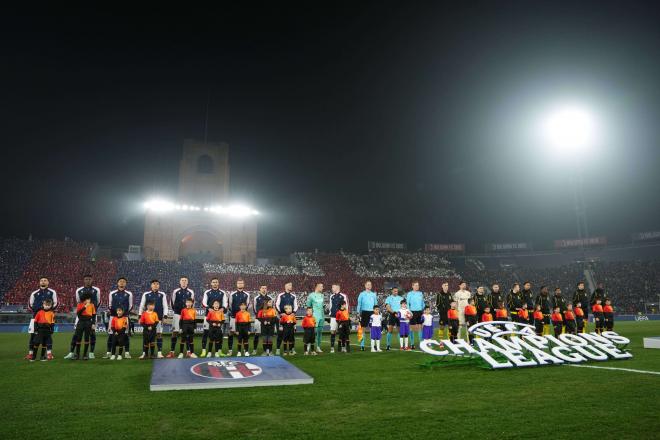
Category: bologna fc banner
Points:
column 444, row 247
column 504, row 247
column 380, row 245
column 643, row 236
column 233, row 372
column 505, row 344
column 577, row 242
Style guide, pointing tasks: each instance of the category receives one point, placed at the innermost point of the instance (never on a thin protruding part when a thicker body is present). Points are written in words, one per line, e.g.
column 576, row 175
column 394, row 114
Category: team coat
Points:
column 37, row 298
column 235, row 300
column 178, row 299
column 94, row 293
column 335, row 302
column 284, row 299
column 258, row 302
column 212, row 295
column 160, row 303
column 120, row 298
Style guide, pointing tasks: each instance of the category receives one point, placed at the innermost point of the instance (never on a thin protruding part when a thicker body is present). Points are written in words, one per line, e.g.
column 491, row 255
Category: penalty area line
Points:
column 615, row 369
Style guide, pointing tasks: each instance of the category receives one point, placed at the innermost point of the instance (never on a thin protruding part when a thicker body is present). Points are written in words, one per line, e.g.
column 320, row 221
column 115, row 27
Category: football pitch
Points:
column 356, row 395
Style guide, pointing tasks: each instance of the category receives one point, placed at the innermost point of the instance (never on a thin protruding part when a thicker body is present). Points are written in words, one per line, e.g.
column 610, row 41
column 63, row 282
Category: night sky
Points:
column 377, row 121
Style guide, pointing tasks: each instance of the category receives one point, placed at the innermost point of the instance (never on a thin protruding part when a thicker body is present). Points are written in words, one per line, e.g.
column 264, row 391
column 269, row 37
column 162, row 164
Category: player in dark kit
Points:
column 443, row 301
column 44, row 323
column 35, row 304
column 95, row 294
column 86, row 313
column 481, row 301
column 161, row 308
column 240, row 296
column 210, row 296
column 544, row 301
column 581, row 296
column 558, row 300
column 496, row 297
column 528, row 299
column 124, row 299
column 286, row 298
column 257, row 305
column 178, row 301
column 188, row 324
column 514, row 300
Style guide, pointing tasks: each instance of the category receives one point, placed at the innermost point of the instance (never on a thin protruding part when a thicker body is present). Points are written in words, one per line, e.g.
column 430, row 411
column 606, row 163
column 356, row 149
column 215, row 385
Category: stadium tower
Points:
column 200, row 233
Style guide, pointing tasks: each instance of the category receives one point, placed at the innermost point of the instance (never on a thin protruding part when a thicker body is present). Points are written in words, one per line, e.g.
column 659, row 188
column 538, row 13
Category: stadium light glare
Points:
column 236, row 210
column 569, row 130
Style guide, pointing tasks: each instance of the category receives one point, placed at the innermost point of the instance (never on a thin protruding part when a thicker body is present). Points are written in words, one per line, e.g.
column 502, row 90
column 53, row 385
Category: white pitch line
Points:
column 616, row 369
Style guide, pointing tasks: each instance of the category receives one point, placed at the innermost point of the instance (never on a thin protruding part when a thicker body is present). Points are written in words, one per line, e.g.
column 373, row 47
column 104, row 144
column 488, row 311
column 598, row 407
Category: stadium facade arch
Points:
column 201, row 235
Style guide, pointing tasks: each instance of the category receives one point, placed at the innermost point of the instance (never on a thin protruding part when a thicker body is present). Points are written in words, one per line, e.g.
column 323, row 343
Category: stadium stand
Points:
column 631, row 283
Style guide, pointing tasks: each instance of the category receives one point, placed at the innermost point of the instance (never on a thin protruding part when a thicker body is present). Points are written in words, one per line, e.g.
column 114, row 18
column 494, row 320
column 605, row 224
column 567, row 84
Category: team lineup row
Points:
column 455, row 311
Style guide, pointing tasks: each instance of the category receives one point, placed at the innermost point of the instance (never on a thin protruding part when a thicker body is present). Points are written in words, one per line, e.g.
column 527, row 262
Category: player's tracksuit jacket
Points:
column 120, row 298
column 160, row 303
column 179, row 297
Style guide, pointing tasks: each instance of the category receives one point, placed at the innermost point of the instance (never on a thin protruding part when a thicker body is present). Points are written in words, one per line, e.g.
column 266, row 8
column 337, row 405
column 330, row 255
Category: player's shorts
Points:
column 442, row 317
column 365, row 317
column 333, row 324
column 232, row 324
column 393, row 320
column 176, row 323
column 416, row 317
column 31, row 328
column 257, row 326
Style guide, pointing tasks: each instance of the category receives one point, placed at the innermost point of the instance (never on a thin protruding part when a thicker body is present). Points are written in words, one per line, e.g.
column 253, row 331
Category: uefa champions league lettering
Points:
column 504, row 344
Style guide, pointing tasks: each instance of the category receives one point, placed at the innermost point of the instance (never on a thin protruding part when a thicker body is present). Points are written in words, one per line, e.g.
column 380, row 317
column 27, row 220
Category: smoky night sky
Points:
column 346, row 123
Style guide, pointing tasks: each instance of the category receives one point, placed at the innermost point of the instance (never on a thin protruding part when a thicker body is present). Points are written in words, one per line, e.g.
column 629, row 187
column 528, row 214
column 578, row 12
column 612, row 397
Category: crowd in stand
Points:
column 400, row 265
column 250, row 269
column 15, row 255
column 630, row 284
column 308, row 264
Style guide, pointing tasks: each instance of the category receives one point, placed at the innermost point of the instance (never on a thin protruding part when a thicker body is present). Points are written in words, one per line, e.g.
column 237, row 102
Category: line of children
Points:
column 486, row 316
column 309, row 329
column 119, row 326
column 557, row 321
column 242, row 318
column 427, row 324
column 470, row 313
column 599, row 318
column 569, row 319
column 268, row 318
column 376, row 329
column 86, row 318
column 215, row 319
column 608, row 315
column 343, row 328
column 149, row 321
column 538, row 320
column 44, row 322
column 579, row 317
column 188, row 322
column 288, row 325
column 452, row 317
column 405, row 316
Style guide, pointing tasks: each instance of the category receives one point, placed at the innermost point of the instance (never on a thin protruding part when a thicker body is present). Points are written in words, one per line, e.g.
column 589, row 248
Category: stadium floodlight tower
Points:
column 570, row 132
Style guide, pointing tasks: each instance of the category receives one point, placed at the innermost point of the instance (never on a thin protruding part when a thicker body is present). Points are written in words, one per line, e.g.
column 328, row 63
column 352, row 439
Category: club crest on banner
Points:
column 226, row 369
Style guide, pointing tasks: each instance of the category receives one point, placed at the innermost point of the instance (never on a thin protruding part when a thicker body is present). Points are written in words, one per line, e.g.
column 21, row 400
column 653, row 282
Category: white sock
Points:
column 378, row 345
column 406, row 341
column 373, row 344
column 401, row 343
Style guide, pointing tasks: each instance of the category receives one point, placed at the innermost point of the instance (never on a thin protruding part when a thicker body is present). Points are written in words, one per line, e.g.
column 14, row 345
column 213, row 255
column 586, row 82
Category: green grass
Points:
column 359, row 395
